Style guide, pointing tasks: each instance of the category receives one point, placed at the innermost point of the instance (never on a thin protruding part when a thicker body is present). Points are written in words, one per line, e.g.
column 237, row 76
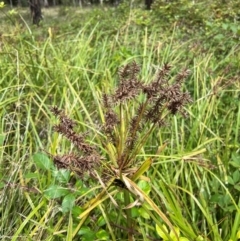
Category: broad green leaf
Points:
column 143, row 213
column 236, row 176
column 135, row 212
column 145, row 186
column 55, row 191
column 87, row 234
column 76, row 211
column 102, row 235
column 219, row 36
column 230, row 180
column 199, row 238
column 161, row 232
column 236, row 160
column 225, row 26
column 31, row 175
column 234, row 28
column 234, row 164
column 101, row 221
column 42, row 161
column 175, row 235
column 62, row 175
column 68, row 203
column 84, row 230
column 238, row 234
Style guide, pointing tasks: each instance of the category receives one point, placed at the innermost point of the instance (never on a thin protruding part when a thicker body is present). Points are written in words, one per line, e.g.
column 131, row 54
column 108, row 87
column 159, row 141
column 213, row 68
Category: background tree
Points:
column 148, row 4
column 36, row 12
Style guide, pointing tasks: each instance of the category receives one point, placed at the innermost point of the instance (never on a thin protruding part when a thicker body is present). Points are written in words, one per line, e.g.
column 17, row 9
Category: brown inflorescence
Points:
column 89, row 159
column 161, row 99
column 127, row 130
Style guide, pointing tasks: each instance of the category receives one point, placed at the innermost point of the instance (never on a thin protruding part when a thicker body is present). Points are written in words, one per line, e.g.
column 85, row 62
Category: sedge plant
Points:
column 129, row 116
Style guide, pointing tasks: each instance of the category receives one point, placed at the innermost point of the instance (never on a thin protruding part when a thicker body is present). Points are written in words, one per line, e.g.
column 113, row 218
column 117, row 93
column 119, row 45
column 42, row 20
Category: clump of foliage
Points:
column 130, row 115
column 195, row 14
column 185, row 13
column 218, row 23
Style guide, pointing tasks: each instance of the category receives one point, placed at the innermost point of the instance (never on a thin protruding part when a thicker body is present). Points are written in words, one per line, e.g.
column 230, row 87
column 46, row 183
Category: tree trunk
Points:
column 45, row 3
column 36, row 13
column 80, row 3
column 148, row 4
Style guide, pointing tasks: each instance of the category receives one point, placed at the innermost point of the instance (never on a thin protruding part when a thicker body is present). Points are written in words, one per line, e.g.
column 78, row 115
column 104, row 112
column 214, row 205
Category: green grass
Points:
column 69, row 63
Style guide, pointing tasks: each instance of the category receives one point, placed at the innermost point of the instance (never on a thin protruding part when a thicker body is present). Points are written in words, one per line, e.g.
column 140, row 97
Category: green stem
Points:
column 142, row 141
column 236, row 224
column 139, row 146
column 121, row 138
column 128, row 214
column 133, row 133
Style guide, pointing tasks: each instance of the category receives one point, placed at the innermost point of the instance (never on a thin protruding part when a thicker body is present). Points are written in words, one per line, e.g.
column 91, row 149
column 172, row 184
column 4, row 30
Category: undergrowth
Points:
column 193, row 183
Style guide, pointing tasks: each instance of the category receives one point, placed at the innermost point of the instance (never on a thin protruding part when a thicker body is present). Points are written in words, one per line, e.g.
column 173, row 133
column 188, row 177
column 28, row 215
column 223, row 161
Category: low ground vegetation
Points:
column 178, row 181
